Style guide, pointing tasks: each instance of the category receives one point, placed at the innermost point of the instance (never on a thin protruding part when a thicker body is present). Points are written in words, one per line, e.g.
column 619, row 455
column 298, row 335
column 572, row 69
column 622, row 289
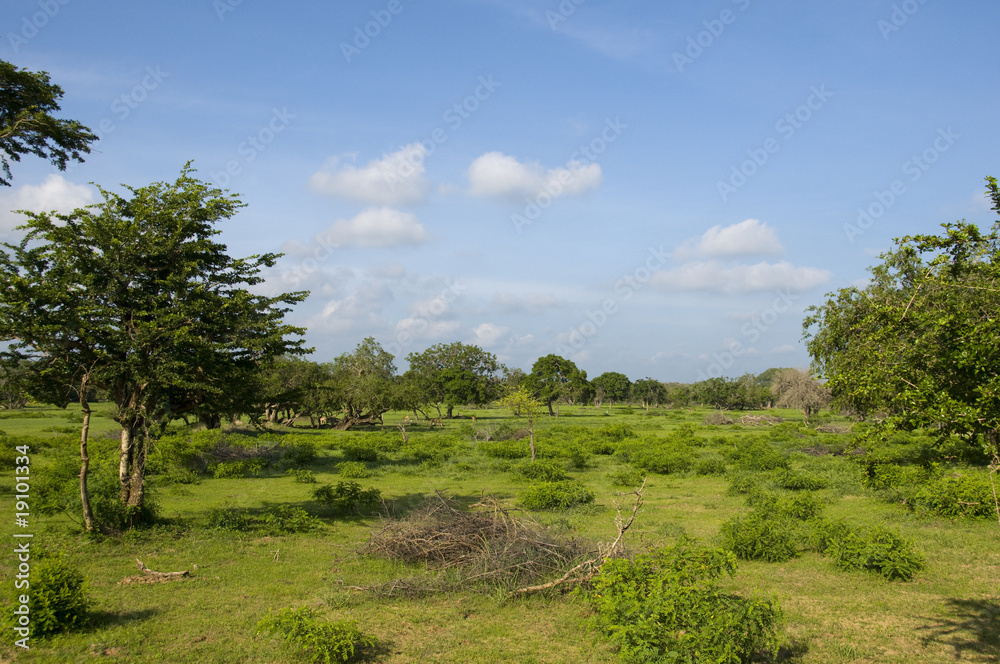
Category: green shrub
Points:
column 544, row 471
column 277, row 520
column 231, row 470
column 347, row 496
column 757, row 454
column 298, row 454
column 962, row 494
column 803, row 507
column 659, row 455
column 875, row 549
column 506, row 449
column 800, row 481
column 361, row 452
column 759, row 536
column 616, row 432
column 710, row 466
column 302, row 476
column 666, row 606
column 556, row 495
column 743, row 482
column 353, row 469
column 57, row 598
column 626, row 477
column 321, row 641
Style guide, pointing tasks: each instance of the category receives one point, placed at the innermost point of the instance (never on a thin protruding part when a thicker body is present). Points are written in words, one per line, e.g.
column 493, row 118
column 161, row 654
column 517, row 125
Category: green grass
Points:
column 948, row 612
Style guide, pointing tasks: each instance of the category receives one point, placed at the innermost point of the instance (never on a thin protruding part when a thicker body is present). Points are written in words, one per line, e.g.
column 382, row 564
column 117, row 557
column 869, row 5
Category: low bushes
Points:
column 58, row 598
column 758, row 536
column 278, row 520
column 875, row 549
column 347, row 496
column 666, row 606
column 320, row 640
column 556, row 495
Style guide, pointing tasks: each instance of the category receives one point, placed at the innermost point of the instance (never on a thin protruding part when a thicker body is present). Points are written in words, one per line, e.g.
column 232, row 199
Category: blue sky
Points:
column 648, row 188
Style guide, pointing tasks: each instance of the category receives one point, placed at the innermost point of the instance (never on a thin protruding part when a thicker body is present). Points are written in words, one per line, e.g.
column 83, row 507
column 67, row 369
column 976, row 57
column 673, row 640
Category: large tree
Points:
column 454, row 374
column 134, row 296
column 27, row 100
column 611, row 385
column 364, row 385
column 553, row 378
column 920, row 343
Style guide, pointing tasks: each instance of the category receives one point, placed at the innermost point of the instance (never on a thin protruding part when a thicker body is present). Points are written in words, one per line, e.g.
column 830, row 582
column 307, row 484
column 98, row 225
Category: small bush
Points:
column 757, row 454
column 506, row 449
column 58, row 597
column 278, row 520
column 361, row 452
column 756, row 536
column 666, row 606
column 616, row 432
column 962, row 494
column 742, row 482
column 302, row 476
column 876, row 549
column 799, row 481
column 544, row 471
column 353, row 469
column 347, row 496
column 710, row 466
column 556, row 495
column 298, row 454
column 321, row 641
column 803, row 507
column 626, row 477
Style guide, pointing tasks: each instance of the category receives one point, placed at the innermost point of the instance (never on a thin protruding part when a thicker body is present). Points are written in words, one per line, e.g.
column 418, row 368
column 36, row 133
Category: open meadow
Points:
column 254, row 555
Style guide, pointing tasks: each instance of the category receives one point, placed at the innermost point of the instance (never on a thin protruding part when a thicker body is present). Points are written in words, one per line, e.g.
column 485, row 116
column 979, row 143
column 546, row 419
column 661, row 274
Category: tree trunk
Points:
column 88, row 514
column 551, row 412
column 531, row 437
column 450, row 410
column 125, row 459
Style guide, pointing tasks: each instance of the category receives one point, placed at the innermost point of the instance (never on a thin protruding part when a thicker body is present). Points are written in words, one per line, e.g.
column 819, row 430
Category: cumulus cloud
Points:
column 489, row 334
column 374, row 227
column 747, row 238
column 54, row 193
column 422, row 328
column 716, row 277
column 498, row 175
column 397, row 178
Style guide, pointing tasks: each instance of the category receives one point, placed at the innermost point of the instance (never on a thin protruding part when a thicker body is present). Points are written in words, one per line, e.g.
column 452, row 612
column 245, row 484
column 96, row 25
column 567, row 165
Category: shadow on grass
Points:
column 973, row 628
column 792, row 652
column 103, row 619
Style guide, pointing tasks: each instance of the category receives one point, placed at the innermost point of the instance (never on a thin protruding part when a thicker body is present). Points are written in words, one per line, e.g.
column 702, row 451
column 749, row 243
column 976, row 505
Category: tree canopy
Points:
column 454, row 374
column 553, row 377
column 920, row 343
column 27, row 100
column 134, row 296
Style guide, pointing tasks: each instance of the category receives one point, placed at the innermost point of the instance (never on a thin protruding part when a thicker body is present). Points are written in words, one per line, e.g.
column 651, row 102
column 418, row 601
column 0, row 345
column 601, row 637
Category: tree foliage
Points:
column 454, row 374
column 27, row 100
column 134, row 296
column 364, row 384
column 921, row 342
column 555, row 378
column 612, row 386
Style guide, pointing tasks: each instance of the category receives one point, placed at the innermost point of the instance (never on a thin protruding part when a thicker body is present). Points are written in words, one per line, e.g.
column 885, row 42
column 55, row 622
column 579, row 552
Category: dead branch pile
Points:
column 484, row 549
column 488, row 549
column 757, row 420
column 834, row 428
column 718, row 419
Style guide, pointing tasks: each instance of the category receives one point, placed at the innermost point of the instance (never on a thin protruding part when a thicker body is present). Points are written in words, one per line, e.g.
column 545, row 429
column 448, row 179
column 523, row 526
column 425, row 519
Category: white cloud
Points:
column 488, row 334
column 421, row 328
column 374, row 227
column 784, row 349
column 715, row 277
column 500, row 175
column 529, row 302
column 395, row 179
column 54, row 193
column 747, row 238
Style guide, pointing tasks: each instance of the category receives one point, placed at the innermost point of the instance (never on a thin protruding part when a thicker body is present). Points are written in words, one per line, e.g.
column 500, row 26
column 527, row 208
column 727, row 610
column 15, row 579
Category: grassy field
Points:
column 950, row 611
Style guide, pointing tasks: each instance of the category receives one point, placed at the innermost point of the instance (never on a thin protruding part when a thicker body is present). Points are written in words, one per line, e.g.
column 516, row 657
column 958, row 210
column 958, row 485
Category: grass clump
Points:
column 545, row 471
column 666, row 606
column 353, row 470
column 626, row 476
column 302, row 476
column 321, row 641
column 347, row 496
